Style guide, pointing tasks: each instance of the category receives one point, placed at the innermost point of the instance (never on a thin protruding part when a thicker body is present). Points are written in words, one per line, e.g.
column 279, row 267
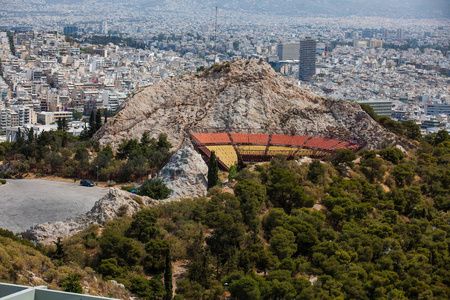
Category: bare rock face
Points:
column 110, row 206
column 185, row 174
column 244, row 94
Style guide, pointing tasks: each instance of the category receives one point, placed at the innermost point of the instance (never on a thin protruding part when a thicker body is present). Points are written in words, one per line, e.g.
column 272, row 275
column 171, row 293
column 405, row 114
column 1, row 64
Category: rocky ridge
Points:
column 245, row 95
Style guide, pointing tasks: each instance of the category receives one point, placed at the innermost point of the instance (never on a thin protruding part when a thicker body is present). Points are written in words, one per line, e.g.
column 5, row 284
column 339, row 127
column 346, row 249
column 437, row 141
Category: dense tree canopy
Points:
column 58, row 153
column 368, row 226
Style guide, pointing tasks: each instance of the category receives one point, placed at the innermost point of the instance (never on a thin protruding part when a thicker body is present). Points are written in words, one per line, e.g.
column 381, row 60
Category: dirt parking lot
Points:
column 24, row 202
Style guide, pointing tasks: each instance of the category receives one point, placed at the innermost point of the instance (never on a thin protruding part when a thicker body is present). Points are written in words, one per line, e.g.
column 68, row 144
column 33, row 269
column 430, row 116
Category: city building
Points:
column 400, row 34
column 47, row 118
column 381, row 108
column 374, row 43
column 367, row 33
column 70, row 29
column 104, row 27
column 359, row 44
column 437, row 109
column 288, row 51
column 307, row 65
column 26, row 115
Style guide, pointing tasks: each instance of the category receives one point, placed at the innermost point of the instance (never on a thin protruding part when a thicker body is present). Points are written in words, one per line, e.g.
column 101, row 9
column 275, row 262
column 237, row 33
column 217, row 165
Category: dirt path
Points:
column 57, row 178
column 179, row 272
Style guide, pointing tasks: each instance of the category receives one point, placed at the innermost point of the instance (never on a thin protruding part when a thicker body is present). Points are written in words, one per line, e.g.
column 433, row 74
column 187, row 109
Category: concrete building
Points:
column 10, row 117
column 307, row 65
column 374, row 43
column 25, row 114
column 70, row 29
column 104, row 27
column 359, row 44
column 437, row 109
column 381, row 108
column 288, row 51
column 367, row 33
column 47, row 118
column 400, row 34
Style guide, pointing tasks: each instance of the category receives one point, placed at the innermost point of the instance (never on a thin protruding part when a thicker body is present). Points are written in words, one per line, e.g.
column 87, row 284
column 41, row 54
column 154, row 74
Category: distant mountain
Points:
column 382, row 8
column 299, row 8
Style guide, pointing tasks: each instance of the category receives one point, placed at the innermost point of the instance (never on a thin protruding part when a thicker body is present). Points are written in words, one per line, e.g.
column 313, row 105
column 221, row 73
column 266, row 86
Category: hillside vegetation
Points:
column 366, row 226
column 58, row 153
column 21, row 263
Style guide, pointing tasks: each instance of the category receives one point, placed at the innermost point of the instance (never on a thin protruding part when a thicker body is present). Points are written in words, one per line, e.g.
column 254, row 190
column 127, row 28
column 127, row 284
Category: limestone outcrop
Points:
column 185, row 174
column 116, row 202
column 245, row 95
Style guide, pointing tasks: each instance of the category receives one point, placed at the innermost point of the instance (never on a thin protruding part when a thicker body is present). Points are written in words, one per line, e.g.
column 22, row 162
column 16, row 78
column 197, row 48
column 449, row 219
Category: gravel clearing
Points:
column 25, row 202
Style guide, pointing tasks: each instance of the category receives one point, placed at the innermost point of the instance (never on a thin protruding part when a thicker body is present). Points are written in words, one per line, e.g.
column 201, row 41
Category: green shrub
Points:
column 155, row 189
column 71, row 283
column 128, row 188
column 8, row 233
column 394, row 155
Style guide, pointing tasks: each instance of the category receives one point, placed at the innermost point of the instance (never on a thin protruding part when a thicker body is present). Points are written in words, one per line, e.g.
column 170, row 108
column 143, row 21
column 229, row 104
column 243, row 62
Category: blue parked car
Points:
column 86, row 183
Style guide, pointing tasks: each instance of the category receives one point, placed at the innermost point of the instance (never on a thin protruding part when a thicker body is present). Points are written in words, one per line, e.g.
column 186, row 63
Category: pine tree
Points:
column 213, row 171
column 168, row 276
column 59, row 252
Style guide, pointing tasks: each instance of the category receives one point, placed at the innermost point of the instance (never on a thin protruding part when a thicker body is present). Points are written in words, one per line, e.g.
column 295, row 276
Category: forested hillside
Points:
column 58, row 153
column 372, row 225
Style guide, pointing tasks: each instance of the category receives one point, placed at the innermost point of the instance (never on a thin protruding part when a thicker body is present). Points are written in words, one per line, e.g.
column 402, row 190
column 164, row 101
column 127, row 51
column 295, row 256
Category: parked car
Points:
column 86, row 183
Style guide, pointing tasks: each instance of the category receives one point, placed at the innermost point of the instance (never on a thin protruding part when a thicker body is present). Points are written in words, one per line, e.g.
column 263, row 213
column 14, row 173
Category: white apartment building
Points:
column 16, row 115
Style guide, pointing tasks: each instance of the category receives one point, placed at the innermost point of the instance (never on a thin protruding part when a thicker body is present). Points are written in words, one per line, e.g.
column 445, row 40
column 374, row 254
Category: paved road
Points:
column 24, row 202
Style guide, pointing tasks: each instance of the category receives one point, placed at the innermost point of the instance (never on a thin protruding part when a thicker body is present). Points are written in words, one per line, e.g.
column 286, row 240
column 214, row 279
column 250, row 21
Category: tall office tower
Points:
column 367, row 33
column 104, row 28
column 70, row 29
column 385, row 33
column 400, row 33
column 307, row 65
column 288, row 51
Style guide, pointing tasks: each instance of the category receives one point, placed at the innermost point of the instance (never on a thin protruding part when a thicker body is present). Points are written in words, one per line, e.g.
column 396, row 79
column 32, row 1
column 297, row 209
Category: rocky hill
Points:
column 242, row 94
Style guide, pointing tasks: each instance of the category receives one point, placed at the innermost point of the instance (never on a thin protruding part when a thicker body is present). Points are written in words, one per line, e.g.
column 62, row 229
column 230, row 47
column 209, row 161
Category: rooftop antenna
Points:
column 215, row 38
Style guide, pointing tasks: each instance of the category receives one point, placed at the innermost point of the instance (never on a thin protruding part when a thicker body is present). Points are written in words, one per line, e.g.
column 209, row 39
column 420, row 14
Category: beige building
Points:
column 374, row 43
column 47, row 118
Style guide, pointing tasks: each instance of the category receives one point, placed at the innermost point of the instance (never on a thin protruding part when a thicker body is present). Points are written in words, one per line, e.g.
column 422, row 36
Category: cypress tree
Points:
column 213, row 171
column 105, row 113
column 98, row 120
column 65, row 125
column 168, row 276
column 31, row 135
column 59, row 124
column 19, row 140
column 92, row 125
